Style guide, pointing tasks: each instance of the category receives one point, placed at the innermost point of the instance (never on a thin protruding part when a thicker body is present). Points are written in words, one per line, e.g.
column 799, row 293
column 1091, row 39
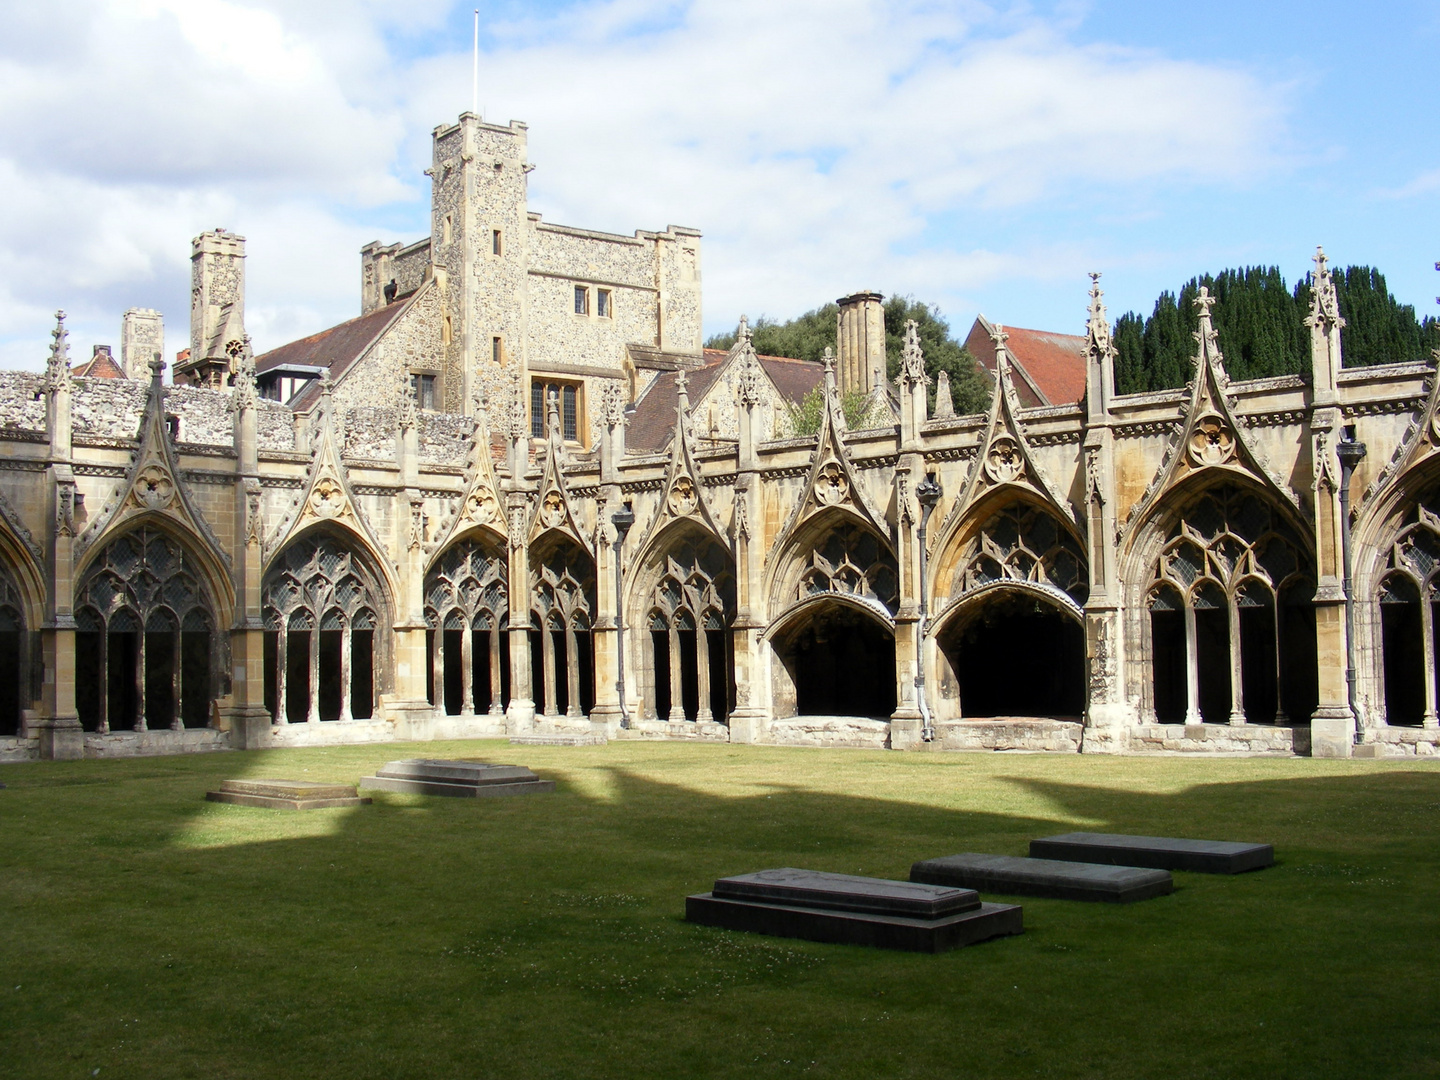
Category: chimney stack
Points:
column 860, row 341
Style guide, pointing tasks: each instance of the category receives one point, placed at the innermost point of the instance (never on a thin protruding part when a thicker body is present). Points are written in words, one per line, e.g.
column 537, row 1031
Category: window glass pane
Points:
column 568, row 404
column 495, row 350
column 582, row 300
column 427, row 391
column 602, row 303
column 495, row 241
column 537, row 410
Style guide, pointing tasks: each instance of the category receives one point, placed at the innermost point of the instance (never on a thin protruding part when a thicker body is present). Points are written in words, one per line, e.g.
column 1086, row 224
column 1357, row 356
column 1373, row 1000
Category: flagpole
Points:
column 475, row 69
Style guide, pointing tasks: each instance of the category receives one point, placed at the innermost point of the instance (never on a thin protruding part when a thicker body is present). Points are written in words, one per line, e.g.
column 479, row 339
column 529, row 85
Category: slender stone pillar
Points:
column 703, row 713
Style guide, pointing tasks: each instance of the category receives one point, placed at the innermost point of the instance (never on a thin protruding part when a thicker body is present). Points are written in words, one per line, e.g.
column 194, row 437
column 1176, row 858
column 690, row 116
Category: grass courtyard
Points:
column 146, row 933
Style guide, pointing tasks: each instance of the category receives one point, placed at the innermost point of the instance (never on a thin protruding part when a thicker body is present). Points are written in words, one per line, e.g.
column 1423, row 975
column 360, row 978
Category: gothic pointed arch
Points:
column 154, row 492
column 467, row 611
column 1209, row 441
column 834, row 554
column 327, row 500
column 325, row 602
column 832, row 494
column 684, row 492
column 554, row 512
column 481, row 508
column 24, row 559
column 1004, row 465
column 151, row 651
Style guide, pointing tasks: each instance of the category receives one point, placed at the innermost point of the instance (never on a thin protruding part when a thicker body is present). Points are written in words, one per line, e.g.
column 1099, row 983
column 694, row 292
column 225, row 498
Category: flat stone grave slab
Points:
column 848, row 910
column 286, row 794
column 1159, row 852
column 1055, row 878
column 464, row 779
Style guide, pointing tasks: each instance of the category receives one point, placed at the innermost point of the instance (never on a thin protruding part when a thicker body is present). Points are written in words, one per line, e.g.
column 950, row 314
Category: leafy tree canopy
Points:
column 1260, row 324
column 807, row 336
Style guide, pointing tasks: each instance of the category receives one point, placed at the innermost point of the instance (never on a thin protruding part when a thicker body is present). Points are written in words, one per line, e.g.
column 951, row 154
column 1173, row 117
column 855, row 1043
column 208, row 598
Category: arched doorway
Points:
column 1231, row 625
column 14, row 656
column 690, row 607
column 467, row 609
column 1012, row 633
column 1407, row 600
column 1017, row 653
column 836, row 647
column 840, row 660
column 145, row 646
column 562, row 606
column 323, row 607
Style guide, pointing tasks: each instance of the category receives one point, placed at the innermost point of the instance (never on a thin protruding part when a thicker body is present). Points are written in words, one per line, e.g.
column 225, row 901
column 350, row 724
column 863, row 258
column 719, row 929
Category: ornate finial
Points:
column 682, row 389
column 407, row 415
column 750, row 384
column 478, row 399
column 1324, row 300
column 1097, row 327
column 157, row 369
column 57, row 368
column 998, row 336
column 242, row 364
column 327, row 385
column 1204, row 302
column 829, row 362
column 912, row 357
column 742, row 333
column 944, row 403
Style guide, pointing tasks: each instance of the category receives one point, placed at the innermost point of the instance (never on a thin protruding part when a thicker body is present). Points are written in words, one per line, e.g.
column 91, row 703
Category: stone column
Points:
column 521, row 713
column 750, row 719
column 907, row 720
column 703, row 712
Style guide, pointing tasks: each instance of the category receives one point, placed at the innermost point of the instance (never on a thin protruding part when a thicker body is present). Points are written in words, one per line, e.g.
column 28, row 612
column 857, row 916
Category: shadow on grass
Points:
column 148, row 933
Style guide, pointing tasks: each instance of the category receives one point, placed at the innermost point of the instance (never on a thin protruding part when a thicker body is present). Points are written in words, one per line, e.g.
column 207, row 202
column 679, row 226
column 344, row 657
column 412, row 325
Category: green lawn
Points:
column 146, row 933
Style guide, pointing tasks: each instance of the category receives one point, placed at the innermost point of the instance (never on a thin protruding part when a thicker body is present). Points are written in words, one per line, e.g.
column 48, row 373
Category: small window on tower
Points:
column 582, row 300
column 568, row 411
column 537, row 410
column 423, row 387
column 497, row 350
column 495, row 242
column 602, row 303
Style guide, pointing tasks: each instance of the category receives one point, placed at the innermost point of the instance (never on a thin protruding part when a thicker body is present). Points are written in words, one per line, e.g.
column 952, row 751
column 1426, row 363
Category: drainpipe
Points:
column 928, row 492
column 1350, row 454
column 622, row 519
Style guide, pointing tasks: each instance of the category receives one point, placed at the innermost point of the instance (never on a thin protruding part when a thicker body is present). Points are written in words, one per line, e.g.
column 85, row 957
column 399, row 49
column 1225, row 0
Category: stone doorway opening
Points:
column 837, row 660
column 1017, row 654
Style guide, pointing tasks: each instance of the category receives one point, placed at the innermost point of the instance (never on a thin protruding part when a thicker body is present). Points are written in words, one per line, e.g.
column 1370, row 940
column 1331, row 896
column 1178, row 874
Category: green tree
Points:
column 805, row 418
column 807, row 336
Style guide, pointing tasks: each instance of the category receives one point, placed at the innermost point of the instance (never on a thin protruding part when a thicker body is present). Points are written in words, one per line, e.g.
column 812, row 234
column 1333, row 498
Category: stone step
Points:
column 1157, row 852
column 587, row 739
column 286, row 794
column 1015, row 876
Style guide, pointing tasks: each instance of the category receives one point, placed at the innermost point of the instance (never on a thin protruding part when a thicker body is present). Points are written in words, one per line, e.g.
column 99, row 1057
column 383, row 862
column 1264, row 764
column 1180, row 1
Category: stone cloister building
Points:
column 515, row 496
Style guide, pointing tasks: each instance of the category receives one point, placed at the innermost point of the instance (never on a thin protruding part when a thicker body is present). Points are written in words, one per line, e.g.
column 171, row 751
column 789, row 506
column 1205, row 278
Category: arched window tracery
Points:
column 690, row 608
column 15, row 681
column 321, row 607
column 467, row 608
column 562, row 605
column 1023, row 542
column 852, row 560
column 1231, row 592
column 146, row 637
column 1409, row 591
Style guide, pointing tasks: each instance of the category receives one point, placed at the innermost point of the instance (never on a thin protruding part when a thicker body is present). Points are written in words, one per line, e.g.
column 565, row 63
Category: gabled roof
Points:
column 653, row 423
column 336, row 348
column 100, row 366
column 1049, row 367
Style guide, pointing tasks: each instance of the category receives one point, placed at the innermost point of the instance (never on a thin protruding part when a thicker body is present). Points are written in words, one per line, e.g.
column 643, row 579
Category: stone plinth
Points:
column 1052, row 878
column 463, row 779
column 540, row 739
column 286, row 794
column 843, row 909
column 1158, row 852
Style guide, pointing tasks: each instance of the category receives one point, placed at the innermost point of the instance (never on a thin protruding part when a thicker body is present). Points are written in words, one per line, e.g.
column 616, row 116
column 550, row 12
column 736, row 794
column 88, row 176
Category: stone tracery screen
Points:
column 690, row 609
column 467, row 608
column 852, row 560
column 562, row 606
column 1407, row 595
column 1023, row 543
column 144, row 657
column 322, row 607
column 15, row 663
column 1231, row 592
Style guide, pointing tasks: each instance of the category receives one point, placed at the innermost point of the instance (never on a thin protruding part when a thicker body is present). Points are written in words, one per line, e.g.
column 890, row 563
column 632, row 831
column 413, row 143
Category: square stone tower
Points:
column 217, row 307
column 142, row 339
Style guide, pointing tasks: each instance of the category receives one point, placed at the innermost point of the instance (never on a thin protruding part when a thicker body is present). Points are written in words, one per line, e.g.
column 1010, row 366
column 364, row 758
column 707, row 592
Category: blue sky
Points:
column 982, row 156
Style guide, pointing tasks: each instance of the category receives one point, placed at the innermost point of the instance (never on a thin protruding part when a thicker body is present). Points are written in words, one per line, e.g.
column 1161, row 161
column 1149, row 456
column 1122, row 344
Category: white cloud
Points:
column 820, row 146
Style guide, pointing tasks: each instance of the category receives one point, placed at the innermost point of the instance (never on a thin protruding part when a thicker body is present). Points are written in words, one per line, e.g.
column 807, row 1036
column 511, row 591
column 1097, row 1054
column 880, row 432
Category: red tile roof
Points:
column 1050, row 366
column 100, row 366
